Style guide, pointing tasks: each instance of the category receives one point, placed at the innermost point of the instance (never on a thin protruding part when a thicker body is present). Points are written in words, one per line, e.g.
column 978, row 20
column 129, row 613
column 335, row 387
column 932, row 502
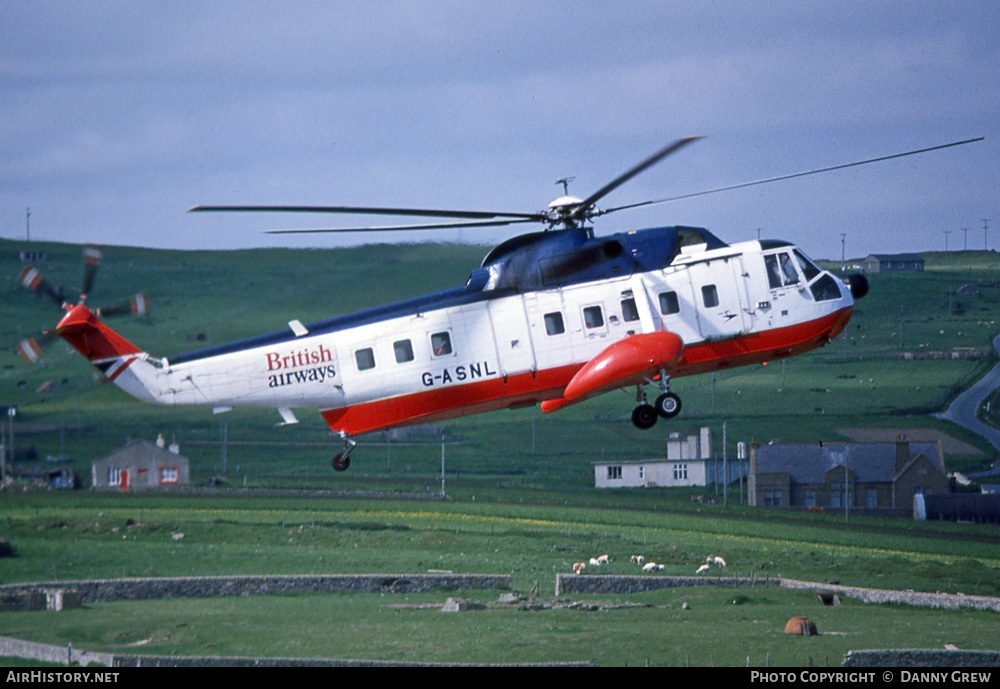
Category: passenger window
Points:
column 365, row 359
column 669, row 303
column 554, row 323
column 629, row 310
column 403, row 350
column 593, row 317
column 441, row 344
column 710, row 296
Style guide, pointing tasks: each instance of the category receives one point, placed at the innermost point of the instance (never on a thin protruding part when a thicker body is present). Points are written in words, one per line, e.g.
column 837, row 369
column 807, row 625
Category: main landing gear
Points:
column 667, row 405
column 342, row 460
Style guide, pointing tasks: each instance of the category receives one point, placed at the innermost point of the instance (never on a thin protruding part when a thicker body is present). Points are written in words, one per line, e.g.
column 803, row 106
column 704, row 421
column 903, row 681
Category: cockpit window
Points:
column 781, row 270
column 825, row 289
column 809, row 268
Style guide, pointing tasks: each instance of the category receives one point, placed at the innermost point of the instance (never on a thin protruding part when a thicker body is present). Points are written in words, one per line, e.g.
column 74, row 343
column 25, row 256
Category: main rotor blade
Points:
column 781, row 178
column 649, row 162
column 404, row 228
column 362, row 210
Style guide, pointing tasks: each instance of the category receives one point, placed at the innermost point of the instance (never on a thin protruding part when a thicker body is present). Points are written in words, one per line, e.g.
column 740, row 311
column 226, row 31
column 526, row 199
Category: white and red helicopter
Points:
column 551, row 318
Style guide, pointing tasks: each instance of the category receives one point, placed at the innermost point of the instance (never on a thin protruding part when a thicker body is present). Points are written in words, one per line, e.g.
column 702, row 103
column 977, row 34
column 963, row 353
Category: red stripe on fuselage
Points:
column 530, row 388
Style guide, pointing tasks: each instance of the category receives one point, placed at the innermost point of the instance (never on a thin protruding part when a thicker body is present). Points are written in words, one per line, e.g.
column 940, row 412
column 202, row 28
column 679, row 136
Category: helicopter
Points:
column 551, row 318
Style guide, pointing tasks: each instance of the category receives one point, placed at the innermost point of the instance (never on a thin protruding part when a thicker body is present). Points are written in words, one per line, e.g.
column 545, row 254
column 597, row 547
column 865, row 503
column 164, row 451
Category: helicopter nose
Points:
column 858, row 284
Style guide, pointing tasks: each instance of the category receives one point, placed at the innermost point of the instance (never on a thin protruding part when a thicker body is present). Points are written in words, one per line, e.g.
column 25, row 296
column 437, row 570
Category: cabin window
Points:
column 441, row 344
column 772, row 498
column 554, row 323
column 630, row 312
column 669, row 303
column 710, row 296
column 168, row 474
column 114, row 476
column 403, row 350
column 614, row 473
column 680, row 472
column 365, row 358
column 593, row 317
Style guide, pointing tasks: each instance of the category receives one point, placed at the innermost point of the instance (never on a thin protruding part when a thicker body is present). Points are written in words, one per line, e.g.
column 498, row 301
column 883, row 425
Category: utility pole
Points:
column 946, row 233
column 843, row 247
column 27, row 223
column 965, row 239
column 986, row 225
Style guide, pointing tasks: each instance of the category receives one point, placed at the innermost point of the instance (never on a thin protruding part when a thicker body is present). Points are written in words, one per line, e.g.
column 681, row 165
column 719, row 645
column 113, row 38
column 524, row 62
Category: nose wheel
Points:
column 342, row 460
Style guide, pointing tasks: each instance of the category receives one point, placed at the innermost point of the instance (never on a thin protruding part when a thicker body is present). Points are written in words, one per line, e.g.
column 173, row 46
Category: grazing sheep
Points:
column 594, row 562
column 702, row 569
column 717, row 561
column 603, row 560
column 638, row 559
column 652, row 567
column 578, row 567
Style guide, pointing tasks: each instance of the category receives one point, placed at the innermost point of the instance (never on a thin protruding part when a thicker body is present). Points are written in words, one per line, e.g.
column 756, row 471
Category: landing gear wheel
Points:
column 341, row 461
column 668, row 405
column 644, row 416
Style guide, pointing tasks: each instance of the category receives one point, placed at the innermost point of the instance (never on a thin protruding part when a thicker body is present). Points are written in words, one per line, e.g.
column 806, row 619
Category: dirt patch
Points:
column 950, row 445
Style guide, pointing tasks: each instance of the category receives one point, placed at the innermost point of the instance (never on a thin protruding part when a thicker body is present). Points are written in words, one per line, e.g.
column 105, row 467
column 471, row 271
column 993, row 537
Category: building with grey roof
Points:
column 141, row 465
column 877, row 477
column 884, row 263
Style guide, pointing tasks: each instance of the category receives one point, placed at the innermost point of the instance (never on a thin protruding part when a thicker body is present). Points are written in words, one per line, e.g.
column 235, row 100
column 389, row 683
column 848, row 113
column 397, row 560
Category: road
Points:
column 963, row 410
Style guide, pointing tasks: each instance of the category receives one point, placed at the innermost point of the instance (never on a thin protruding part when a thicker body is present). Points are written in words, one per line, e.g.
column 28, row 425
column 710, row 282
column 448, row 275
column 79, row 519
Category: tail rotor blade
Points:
column 31, row 348
column 137, row 305
column 32, row 278
column 92, row 255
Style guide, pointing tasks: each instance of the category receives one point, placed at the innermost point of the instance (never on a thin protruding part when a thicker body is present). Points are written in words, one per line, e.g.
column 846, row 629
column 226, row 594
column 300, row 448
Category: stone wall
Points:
column 95, row 590
column 931, row 600
column 615, row 583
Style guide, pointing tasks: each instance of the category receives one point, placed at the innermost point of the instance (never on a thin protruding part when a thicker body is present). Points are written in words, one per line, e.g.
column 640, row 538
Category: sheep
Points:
column 578, row 567
column 603, row 560
column 638, row 559
column 594, row 562
column 702, row 569
column 716, row 560
column 652, row 567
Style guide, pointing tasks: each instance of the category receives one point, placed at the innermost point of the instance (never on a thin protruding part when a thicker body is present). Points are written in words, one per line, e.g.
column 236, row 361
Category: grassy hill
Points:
column 520, row 482
column 202, row 298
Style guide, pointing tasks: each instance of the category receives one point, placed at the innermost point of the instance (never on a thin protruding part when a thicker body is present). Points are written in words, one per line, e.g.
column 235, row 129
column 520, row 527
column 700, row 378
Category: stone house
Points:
column 880, row 477
column 141, row 465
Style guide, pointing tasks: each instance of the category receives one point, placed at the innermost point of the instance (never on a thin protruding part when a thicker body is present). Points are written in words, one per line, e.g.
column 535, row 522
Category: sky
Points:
column 118, row 116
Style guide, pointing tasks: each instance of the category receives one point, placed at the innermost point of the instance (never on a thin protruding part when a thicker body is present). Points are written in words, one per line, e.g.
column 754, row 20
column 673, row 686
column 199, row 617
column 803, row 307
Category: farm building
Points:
column 141, row 465
column 879, row 476
column 980, row 508
column 884, row 263
column 689, row 462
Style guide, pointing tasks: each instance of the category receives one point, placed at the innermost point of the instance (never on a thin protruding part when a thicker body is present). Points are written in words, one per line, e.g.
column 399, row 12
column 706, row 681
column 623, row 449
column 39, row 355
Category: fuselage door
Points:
column 719, row 291
column 509, row 322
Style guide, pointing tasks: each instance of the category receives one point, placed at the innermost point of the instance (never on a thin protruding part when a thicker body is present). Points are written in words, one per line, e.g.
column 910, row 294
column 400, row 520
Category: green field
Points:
column 520, row 483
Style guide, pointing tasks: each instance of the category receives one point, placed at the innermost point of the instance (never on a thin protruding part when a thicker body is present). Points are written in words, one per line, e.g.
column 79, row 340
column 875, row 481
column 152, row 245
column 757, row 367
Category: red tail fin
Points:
column 91, row 337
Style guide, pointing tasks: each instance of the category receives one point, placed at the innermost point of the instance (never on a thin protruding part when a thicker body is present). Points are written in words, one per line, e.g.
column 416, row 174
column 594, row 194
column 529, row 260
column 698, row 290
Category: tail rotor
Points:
column 31, row 278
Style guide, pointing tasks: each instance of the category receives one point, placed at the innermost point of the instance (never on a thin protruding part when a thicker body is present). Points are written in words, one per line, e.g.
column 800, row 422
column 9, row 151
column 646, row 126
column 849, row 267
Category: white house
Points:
column 689, row 462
